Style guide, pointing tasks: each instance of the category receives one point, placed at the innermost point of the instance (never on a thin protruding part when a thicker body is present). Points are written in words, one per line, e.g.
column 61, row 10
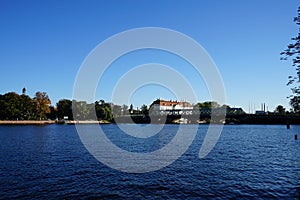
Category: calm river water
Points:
column 249, row 161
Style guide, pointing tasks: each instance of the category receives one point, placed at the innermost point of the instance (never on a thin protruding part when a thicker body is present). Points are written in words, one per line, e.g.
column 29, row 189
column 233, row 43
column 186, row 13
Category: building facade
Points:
column 160, row 104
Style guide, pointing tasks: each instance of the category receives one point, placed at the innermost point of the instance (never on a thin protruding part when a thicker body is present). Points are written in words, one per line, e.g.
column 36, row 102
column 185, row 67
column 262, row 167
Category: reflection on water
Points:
column 248, row 161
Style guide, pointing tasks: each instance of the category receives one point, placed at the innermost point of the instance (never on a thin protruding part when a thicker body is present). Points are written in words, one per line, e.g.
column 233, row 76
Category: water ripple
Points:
column 261, row 162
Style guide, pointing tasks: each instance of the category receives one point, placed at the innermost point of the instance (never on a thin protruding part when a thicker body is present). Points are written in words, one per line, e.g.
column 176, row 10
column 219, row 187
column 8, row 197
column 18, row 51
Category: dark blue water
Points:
column 255, row 161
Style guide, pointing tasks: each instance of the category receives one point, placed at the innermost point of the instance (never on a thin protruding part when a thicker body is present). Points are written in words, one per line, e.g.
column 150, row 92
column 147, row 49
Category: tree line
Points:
column 22, row 107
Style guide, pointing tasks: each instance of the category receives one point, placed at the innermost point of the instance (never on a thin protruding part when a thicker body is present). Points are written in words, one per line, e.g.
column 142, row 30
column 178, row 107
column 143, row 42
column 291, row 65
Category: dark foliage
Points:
column 293, row 52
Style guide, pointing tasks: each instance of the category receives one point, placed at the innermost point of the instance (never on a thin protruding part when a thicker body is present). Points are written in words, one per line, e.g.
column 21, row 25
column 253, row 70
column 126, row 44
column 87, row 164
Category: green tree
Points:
column 91, row 111
column 26, row 107
column 107, row 111
column 42, row 104
column 280, row 110
column 99, row 110
column 2, row 107
column 103, row 110
column 53, row 113
column 64, row 108
column 81, row 110
column 11, row 105
column 207, row 105
column 144, row 109
column 293, row 52
column 294, row 102
column 16, row 107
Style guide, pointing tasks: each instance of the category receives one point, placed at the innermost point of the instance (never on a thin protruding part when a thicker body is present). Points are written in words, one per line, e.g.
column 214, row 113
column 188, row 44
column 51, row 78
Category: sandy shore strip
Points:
column 44, row 122
column 26, row 122
column 87, row 122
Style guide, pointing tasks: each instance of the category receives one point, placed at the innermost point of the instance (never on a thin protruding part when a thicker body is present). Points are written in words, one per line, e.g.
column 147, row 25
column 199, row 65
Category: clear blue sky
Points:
column 43, row 43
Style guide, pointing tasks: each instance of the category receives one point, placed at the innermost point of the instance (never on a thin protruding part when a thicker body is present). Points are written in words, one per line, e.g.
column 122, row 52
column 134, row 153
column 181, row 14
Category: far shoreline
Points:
column 48, row 122
column 27, row 122
column 258, row 120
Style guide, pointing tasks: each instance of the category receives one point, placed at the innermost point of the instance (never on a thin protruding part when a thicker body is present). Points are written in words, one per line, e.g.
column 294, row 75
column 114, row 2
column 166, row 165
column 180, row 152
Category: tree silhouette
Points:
column 144, row 109
column 280, row 110
column 24, row 90
column 293, row 52
column 64, row 108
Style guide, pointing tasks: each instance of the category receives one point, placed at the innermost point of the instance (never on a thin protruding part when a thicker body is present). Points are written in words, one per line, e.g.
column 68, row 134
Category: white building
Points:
column 161, row 104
